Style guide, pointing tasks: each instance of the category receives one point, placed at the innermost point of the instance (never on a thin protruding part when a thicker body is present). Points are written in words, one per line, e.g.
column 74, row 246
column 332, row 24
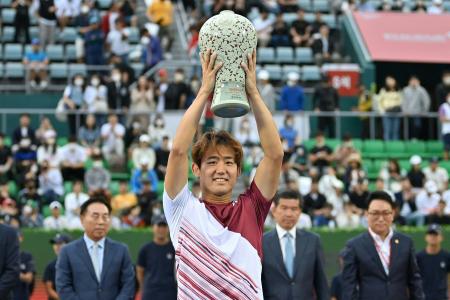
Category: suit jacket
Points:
column 309, row 280
column 364, row 277
column 17, row 135
column 9, row 261
column 75, row 275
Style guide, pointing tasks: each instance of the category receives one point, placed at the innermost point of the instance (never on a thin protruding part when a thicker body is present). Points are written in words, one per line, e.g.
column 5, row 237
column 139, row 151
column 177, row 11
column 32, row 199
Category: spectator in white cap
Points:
column 56, row 220
column 266, row 90
column 427, row 202
column 415, row 174
column 435, row 8
column 144, row 150
column 142, row 174
column 292, row 95
column 437, row 174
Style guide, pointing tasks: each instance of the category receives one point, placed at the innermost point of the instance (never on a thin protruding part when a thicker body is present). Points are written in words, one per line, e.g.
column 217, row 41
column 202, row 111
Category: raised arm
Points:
column 268, row 172
column 177, row 165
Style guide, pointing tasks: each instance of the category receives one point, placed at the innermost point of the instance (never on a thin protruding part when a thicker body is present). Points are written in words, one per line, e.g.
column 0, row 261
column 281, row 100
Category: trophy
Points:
column 232, row 37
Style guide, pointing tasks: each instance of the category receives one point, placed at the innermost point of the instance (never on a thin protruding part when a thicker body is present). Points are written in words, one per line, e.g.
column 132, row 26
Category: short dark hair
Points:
column 380, row 195
column 90, row 201
column 288, row 194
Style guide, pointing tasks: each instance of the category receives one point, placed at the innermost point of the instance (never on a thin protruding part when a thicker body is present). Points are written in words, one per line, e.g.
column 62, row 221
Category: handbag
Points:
column 60, row 111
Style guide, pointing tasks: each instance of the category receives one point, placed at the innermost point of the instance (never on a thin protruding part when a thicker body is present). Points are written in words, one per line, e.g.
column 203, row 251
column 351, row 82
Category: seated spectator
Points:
column 152, row 53
column 30, row 217
column 97, row 179
column 317, row 23
column 161, row 13
column 327, row 218
column 127, row 11
column 427, row 202
column 157, row 130
column 314, row 201
column 21, row 20
column 287, row 174
column 55, row 221
column 323, row 46
column 419, row 6
column 93, row 42
column 415, row 174
column 300, row 30
column 48, row 151
column 124, row 200
column 333, row 188
column 437, row 174
column 346, row 152
column 113, row 145
column 436, row 8
column 292, row 97
column 354, row 171
column 298, row 159
column 132, row 135
column 45, row 127
column 72, row 157
column 177, row 92
column 144, row 173
column 358, row 194
column 442, row 215
column 29, row 193
column 263, row 25
column 280, row 33
column 246, row 134
column 162, row 156
column 144, row 151
column 73, row 97
column 267, row 90
column 50, row 182
column 6, row 161
column 321, row 155
column 9, row 214
column 89, row 135
column 146, row 201
column 24, row 132
column 74, row 200
column 36, row 62
column 392, row 175
column 95, row 97
column 133, row 218
column 350, row 217
column 142, row 101
column 304, row 221
column 416, row 100
column 117, row 41
column 289, row 133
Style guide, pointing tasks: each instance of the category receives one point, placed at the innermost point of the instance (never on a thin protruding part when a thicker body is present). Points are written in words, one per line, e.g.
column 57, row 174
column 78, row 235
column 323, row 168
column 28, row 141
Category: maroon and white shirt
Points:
column 218, row 248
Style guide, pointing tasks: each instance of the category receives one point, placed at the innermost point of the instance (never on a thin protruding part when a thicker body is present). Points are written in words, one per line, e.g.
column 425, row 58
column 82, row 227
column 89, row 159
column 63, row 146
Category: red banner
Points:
column 406, row 37
column 343, row 77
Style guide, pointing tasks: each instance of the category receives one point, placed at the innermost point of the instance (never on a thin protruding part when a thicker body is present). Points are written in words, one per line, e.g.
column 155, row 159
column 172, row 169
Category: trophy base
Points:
column 230, row 110
column 230, row 101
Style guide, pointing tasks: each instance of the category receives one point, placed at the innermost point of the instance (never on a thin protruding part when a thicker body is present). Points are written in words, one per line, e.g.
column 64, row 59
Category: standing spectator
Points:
column 97, row 179
column 365, row 104
column 50, row 182
column 436, row 8
column 108, row 21
column 124, row 200
column 95, row 97
column 89, row 135
column 9, row 261
column 437, row 174
column 442, row 91
column 50, row 270
column 321, row 155
column 155, row 265
column 152, row 53
column 267, row 90
column 118, row 98
column 47, row 22
column 21, row 20
column 142, row 101
column 415, row 174
column 323, row 46
column 280, row 33
column 177, row 92
column 326, row 99
column 292, row 97
column 36, row 63
column 6, row 160
column 444, row 118
column 117, row 41
column 434, row 264
column 144, row 151
column 161, row 12
column 93, row 43
column 73, row 98
column 55, row 221
column 112, row 135
column 88, row 11
column 162, row 156
column 415, row 102
column 74, row 200
column 72, row 157
column 390, row 103
column 23, row 288
column 67, row 11
column 263, row 25
column 300, row 30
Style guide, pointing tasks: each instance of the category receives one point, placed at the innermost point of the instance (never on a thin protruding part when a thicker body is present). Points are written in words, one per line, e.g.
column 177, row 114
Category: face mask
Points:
column 156, row 211
column 84, row 9
column 79, row 82
column 290, row 83
column 115, row 77
column 159, row 123
column 97, row 164
column 178, row 77
column 289, row 123
column 145, row 40
column 95, row 82
column 447, row 80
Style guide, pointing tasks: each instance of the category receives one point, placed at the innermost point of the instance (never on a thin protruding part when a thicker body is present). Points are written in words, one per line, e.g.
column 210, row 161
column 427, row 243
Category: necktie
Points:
column 289, row 254
column 96, row 260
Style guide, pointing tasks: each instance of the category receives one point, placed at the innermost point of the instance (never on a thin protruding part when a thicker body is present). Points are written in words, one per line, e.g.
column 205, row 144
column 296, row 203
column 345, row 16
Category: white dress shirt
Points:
column 281, row 235
column 73, row 202
column 383, row 248
column 101, row 250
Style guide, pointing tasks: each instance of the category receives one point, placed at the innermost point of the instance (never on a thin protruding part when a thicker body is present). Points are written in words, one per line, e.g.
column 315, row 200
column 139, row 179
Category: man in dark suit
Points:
column 94, row 266
column 381, row 263
column 9, row 261
column 23, row 131
column 293, row 259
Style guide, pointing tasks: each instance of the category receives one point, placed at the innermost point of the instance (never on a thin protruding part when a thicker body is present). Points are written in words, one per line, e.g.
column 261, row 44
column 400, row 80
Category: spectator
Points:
column 147, row 199
column 415, row 174
column 392, row 175
column 144, row 173
column 317, row 23
column 73, row 98
column 89, row 135
column 442, row 215
column 350, row 217
column 36, row 63
column 21, row 20
column 321, row 155
column 132, row 134
column 280, row 33
column 113, row 145
column 118, row 93
column 415, row 102
column 365, row 104
column 323, row 46
column 45, row 129
column 144, row 151
column 345, row 153
column 358, row 194
column 354, row 172
column 67, row 11
column 435, row 8
column 246, row 134
column 157, row 130
column 289, row 133
column 444, row 118
column 390, row 102
column 427, row 202
column 93, row 42
column 55, row 221
column 263, row 25
column 152, row 52
column 177, row 92
column 437, row 174
column 162, row 156
column 419, row 6
column 49, row 277
column 117, row 41
column 161, row 12
column 442, row 91
column 97, row 179
column 50, row 182
column 82, row 24
column 47, row 22
column 161, row 89
column 6, row 161
column 267, row 90
column 300, row 30
column 326, row 99
column 95, row 97
column 132, row 218
column 74, row 200
column 48, row 151
column 407, row 203
column 29, row 193
column 142, row 101
column 292, row 98
column 299, row 159
column 124, row 200
column 31, row 218
column 314, row 201
column 72, row 157
column 26, row 279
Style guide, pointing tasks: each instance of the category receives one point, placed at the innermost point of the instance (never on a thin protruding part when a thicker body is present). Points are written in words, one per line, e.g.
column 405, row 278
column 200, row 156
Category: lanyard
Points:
column 386, row 260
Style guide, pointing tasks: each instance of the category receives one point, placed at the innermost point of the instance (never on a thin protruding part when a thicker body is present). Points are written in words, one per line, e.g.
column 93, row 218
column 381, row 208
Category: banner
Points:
column 406, row 37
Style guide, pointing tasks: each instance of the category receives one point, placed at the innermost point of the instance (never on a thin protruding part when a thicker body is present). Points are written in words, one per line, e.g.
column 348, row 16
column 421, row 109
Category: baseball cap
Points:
column 55, row 204
column 415, row 160
column 293, row 76
column 162, row 72
column 60, row 238
column 434, row 229
column 263, row 75
column 159, row 220
column 35, row 41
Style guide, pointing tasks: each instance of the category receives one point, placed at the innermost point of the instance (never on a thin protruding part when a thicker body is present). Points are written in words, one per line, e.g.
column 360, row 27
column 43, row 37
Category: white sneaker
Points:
column 44, row 84
column 33, row 84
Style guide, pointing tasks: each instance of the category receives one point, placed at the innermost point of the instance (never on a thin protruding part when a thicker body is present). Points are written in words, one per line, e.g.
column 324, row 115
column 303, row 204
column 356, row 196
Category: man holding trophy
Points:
column 217, row 239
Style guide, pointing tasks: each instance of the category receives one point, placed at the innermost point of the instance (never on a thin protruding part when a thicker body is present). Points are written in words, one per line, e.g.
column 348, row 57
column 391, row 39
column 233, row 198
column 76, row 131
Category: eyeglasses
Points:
column 377, row 214
column 97, row 217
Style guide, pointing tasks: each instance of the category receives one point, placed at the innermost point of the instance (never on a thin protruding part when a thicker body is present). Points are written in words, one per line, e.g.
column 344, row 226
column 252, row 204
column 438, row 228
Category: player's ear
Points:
column 195, row 170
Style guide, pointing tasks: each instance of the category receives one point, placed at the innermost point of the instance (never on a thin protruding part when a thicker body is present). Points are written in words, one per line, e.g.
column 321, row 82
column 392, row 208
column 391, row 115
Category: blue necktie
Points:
column 289, row 254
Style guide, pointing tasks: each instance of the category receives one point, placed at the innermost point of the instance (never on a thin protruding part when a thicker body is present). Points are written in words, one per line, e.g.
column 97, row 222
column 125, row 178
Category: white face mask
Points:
column 97, row 164
column 145, row 40
column 95, row 81
column 115, row 77
column 447, row 80
column 178, row 77
column 84, row 9
column 290, row 83
column 79, row 81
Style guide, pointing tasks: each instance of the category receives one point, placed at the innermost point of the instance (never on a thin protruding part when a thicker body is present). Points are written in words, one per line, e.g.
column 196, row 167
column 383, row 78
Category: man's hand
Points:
column 209, row 71
column 250, row 73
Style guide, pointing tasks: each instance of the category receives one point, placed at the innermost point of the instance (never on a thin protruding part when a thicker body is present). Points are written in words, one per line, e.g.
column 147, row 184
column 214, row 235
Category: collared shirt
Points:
column 383, row 248
column 101, row 249
column 281, row 235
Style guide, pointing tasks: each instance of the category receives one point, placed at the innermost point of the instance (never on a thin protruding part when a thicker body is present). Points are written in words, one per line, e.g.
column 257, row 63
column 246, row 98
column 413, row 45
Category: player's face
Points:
column 380, row 216
column 218, row 172
column 287, row 212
